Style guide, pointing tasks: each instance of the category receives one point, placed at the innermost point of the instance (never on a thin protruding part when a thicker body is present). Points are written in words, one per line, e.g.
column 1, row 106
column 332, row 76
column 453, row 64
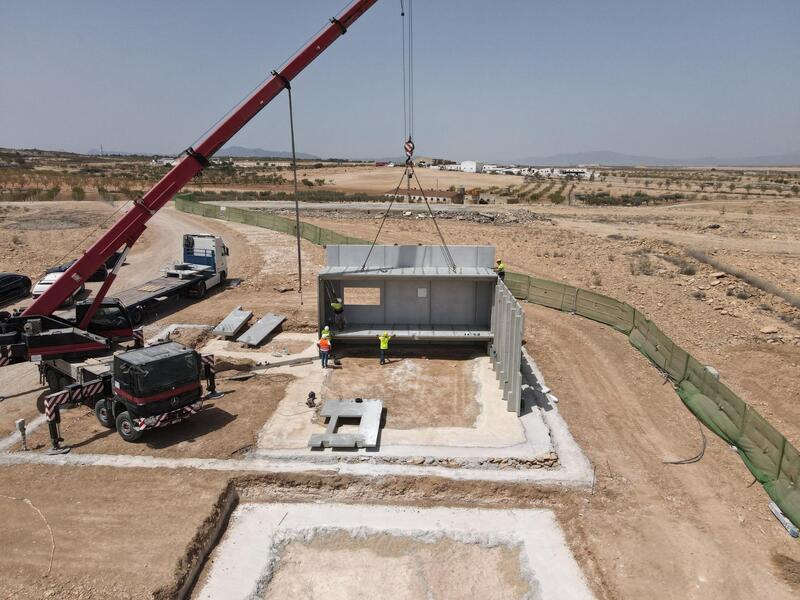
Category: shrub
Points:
column 51, row 193
column 642, row 265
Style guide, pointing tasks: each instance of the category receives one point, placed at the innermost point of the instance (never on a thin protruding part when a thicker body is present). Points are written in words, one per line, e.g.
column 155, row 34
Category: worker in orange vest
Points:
column 324, row 345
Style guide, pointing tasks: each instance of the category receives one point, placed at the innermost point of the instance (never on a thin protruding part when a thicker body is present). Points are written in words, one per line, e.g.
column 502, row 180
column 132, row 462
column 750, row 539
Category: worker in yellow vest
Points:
column 384, row 344
column 338, row 313
column 500, row 269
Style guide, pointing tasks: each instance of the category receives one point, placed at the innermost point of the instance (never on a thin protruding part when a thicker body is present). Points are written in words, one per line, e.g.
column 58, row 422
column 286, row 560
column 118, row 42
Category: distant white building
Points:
column 577, row 172
column 574, row 172
column 472, row 166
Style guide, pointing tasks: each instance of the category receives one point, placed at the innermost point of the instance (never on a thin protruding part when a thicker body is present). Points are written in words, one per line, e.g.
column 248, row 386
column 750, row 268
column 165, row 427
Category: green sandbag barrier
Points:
column 769, row 456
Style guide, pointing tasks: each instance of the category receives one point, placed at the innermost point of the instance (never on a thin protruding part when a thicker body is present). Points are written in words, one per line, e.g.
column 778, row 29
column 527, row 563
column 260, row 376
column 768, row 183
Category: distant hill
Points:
column 609, row 158
column 242, row 152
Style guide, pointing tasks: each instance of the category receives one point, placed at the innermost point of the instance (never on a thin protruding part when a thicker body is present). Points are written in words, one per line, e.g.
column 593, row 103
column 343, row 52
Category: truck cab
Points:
column 206, row 250
column 153, row 387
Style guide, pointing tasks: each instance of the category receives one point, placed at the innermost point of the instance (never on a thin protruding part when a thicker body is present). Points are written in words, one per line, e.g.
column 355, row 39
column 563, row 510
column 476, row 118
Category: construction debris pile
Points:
column 485, row 217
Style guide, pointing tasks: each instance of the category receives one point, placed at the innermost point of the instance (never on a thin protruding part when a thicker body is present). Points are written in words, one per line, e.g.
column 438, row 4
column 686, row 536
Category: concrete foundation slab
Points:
column 494, row 433
column 248, row 556
column 367, row 411
column 231, row 325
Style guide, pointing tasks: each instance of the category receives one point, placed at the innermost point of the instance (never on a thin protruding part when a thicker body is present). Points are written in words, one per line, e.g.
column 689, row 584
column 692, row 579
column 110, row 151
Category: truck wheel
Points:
column 125, row 427
column 136, row 315
column 103, row 414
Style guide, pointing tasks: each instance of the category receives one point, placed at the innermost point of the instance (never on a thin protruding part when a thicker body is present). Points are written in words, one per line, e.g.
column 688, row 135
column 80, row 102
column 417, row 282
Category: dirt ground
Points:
column 648, row 529
column 407, row 569
column 118, row 533
column 696, row 531
column 224, row 427
column 407, row 385
column 38, row 235
column 20, row 386
column 380, row 180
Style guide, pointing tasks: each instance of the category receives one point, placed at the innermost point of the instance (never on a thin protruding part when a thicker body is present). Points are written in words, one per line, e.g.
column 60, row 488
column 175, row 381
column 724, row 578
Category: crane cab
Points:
column 111, row 320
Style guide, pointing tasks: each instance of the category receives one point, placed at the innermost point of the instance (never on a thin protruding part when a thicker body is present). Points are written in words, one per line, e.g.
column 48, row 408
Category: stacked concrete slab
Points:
column 261, row 330
column 231, row 325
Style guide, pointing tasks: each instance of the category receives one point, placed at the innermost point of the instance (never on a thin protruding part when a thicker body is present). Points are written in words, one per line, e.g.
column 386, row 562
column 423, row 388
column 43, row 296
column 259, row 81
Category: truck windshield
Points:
column 166, row 374
column 107, row 317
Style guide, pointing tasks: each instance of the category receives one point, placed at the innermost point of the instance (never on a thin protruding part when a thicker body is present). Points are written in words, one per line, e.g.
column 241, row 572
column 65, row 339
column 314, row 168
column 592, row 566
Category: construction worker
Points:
column 500, row 269
column 324, row 345
column 338, row 314
column 384, row 344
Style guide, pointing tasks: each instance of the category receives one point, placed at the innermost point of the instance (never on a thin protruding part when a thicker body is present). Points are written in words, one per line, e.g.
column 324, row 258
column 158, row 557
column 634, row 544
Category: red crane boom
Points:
column 132, row 224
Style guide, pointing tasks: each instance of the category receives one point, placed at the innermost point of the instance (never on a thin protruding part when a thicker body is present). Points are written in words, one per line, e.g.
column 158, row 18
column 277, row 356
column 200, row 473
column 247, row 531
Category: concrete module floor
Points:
column 444, row 404
column 367, row 551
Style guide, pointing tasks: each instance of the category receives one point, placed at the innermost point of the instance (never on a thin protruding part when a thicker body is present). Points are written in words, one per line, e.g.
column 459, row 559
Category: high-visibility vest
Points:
column 384, row 339
column 324, row 344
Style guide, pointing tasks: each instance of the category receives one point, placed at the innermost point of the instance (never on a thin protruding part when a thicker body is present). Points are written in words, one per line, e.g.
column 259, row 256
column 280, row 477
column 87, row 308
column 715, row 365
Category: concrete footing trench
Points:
column 268, row 548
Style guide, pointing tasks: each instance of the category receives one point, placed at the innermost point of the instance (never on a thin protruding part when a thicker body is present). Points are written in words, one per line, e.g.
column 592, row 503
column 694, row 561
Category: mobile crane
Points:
column 146, row 387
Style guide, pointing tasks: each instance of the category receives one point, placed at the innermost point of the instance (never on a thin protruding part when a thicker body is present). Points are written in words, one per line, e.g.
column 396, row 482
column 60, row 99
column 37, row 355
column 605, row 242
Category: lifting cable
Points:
column 408, row 133
column 296, row 200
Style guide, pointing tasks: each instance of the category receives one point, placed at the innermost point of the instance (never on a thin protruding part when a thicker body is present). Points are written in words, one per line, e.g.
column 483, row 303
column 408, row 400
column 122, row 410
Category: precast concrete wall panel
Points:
column 484, row 297
column 390, row 257
column 508, row 321
column 453, row 302
column 404, row 303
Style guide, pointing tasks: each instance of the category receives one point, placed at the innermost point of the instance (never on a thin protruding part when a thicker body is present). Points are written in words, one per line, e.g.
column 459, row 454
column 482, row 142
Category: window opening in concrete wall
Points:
column 362, row 296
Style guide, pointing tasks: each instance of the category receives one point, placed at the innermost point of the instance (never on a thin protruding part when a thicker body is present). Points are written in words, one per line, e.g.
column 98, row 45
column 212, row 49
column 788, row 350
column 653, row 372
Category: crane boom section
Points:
column 133, row 223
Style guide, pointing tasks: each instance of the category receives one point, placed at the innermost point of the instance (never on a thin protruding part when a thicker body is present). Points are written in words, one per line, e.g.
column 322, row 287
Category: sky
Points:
column 495, row 80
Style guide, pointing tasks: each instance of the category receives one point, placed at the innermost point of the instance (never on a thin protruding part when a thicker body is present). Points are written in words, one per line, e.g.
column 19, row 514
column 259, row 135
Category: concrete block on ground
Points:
column 261, row 330
column 231, row 325
column 369, row 413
